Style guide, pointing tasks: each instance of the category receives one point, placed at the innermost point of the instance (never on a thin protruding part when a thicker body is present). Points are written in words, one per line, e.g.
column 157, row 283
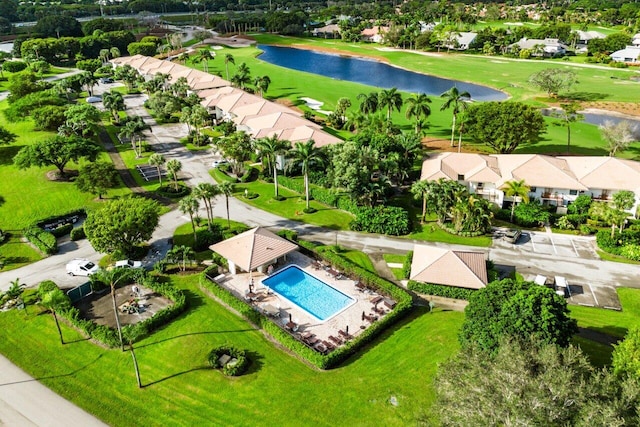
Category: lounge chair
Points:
column 336, row 340
column 376, row 300
column 312, row 340
column 344, row 334
column 389, row 303
column 330, row 346
column 320, row 347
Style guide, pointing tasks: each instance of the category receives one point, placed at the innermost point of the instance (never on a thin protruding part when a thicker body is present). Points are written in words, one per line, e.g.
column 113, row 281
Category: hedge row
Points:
column 109, row 336
column 391, row 220
column 43, row 240
column 322, row 195
column 333, row 359
column 439, row 290
column 78, row 233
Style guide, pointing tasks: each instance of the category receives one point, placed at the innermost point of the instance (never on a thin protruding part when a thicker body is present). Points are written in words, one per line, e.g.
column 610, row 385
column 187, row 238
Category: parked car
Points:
column 81, row 267
column 562, row 287
column 127, row 263
column 106, row 80
column 219, row 162
column 94, row 99
column 512, row 235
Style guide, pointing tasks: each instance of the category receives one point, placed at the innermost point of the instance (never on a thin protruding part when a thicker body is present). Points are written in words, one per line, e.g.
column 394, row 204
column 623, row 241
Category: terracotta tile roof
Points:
column 431, row 264
column 253, row 248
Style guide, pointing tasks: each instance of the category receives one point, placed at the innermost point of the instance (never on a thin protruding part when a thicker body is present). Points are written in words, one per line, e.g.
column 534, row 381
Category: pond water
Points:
column 600, row 118
column 370, row 72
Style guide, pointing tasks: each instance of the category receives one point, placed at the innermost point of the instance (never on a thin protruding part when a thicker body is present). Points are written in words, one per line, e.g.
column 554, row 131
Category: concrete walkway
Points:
column 26, row 402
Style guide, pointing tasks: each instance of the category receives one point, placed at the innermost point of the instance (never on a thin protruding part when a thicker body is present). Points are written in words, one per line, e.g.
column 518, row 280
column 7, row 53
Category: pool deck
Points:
column 351, row 316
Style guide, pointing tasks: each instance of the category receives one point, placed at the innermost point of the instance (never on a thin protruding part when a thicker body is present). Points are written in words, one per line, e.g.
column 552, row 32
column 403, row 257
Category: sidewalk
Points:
column 26, row 402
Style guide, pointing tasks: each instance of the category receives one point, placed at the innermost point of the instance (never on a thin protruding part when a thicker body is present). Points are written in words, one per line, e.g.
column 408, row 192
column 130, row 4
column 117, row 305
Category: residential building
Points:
column 584, row 37
column 331, row 31
column 541, row 47
column 374, row 34
column 552, row 180
column 630, row 54
column 462, row 41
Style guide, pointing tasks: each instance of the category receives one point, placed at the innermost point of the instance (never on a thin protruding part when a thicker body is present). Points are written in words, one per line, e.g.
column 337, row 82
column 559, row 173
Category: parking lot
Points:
column 552, row 244
column 601, row 296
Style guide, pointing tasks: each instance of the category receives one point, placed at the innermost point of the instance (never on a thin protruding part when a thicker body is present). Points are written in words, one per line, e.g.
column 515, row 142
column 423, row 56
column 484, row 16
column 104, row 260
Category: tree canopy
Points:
column 553, row 80
column 97, row 177
column 56, row 151
column 504, row 126
column 122, row 224
column 518, row 310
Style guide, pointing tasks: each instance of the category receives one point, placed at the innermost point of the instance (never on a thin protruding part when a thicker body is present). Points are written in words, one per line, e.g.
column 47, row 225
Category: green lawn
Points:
column 395, row 259
column 278, row 389
column 615, row 258
column 615, row 323
column 292, row 207
column 431, row 232
column 359, row 258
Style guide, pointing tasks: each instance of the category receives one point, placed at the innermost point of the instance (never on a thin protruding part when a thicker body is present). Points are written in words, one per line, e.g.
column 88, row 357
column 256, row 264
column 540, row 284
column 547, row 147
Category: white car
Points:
column 220, row 162
column 81, row 267
column 94, row 99
column 127, row 263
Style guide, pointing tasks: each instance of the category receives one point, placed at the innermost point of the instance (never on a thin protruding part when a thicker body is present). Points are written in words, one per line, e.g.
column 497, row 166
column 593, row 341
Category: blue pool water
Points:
column 308, row 292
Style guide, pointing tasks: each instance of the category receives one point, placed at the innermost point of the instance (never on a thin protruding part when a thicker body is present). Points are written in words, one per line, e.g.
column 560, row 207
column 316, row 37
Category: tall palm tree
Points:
column 55, row 300
column 111, row 278
column 306, row 154
column 228, row 58
column 418, row 107
column 391, row 99
column 419, row 189
column 115, row 52
column 368, row 102
column 88, row 80
column 516, row 189
column 242, row 77
column 183, row 57
column 455, row 100
column 270, row 149
column 205, row 55
column 157, row 160
column 114, row 102
column 207, row 192
column 190, row 205
column 173, row 167
column 226, row 188
column 262, row 84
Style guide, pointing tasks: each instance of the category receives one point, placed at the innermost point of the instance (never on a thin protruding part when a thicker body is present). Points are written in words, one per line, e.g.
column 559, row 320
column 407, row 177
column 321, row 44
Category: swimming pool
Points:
column 309, row 293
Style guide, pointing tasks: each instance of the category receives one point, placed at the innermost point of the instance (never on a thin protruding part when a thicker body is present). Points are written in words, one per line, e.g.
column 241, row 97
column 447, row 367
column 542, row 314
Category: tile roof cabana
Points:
column 253, row 249
column 445, row 267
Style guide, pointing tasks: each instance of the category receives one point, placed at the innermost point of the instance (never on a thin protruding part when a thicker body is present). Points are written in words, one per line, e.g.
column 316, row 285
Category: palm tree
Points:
column 226, row 188
column 270, row 149
column 55, row 300
column 204, row 55
column 114, row 102
column 242, row 76
column 132, row 130
column 88, row 80
column 419, row 189
column 190, row 205
column 516, row 189
column 157, row 160
column 262, row 84
column 306, row 154
column 207, row 192
column 455, row 100
column 418, row 107
column 111, row 279
column 228, row 58
column 368, row 102
column 115, row 52
column 180, row 255
column 390, row 98
column 183, row 57
column 173, row 167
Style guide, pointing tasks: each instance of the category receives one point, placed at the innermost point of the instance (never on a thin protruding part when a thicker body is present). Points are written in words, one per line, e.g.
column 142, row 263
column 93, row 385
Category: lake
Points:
column 371, row 72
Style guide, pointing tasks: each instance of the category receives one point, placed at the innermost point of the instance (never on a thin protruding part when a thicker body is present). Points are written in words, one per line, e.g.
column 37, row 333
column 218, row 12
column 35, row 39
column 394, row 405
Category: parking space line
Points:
column 593, row 293
column 554, row 245
column 574, row 248
column 531, row 240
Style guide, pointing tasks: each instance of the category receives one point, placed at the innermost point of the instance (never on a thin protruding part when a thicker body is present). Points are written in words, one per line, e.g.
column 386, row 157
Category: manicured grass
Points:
column 16, row 253
column 184, row 234
column 395, row 259
column 431, row 232
column 278, row 389
column 614, row 323
column 360, row 258
column 599, row 354
column 614, row 258
column 293, row 205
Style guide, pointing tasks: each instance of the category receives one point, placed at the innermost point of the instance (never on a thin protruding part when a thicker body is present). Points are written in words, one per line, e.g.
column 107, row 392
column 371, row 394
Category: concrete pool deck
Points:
column 350, row 316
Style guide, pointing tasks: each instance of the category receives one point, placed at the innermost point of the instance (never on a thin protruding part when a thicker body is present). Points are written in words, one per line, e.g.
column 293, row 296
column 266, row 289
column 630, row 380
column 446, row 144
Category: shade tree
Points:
column 553, row 80
column 97, row 178
column 56, row 151
column 618, row 135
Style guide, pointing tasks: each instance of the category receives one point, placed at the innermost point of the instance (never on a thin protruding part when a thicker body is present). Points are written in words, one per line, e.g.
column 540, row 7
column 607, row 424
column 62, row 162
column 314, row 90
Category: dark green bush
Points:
column 46, row 287
column 390, row 220
column 440, row 290
column 239, row 368
column 251, row 174
column 169, row 190
column 77, row 233
column 207, row 237
column 14, row 66
column 406, row 265
column 62, row 230
column 41, row 239
column 290, row 235
column 614, row 245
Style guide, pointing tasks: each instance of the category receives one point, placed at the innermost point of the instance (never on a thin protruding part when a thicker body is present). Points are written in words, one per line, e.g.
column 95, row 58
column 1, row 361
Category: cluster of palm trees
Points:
column 205, row 193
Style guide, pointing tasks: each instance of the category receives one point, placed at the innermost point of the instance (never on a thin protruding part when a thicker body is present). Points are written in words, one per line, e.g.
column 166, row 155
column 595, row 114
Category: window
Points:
column 573, row 192
column 533, row 189
column 460, row 177
column 480, row 184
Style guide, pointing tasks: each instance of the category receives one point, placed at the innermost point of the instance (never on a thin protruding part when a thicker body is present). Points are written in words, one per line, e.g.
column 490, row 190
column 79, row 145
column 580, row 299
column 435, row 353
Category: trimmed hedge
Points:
column 78, row 233
column 440, row 290
column 406, row 265
column 43, row 240
column 333, row 359
column 391, row 220
column 239, row 368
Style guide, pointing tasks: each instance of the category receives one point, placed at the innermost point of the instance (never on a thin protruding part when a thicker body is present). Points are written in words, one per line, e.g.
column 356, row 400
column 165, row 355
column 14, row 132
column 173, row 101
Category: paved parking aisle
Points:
column 552, row 244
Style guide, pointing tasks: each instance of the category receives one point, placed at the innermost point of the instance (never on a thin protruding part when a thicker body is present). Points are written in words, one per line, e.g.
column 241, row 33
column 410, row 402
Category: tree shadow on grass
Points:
column 177, row 374
column 193, row 334
column 69, row 374
column 586, row 96
column 8, row 153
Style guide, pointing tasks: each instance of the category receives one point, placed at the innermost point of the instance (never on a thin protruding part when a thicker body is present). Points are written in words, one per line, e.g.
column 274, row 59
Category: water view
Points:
column 370, row 72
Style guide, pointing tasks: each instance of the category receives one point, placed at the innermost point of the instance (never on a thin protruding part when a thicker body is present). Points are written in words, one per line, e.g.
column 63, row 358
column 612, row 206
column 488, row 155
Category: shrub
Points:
column 77, row 233
column 614, row 245
column 631, row 252
column 46, row 287
column 208, row 237
column 14, row 66
column 43, row 240
column 170, row 191
column 580, row 205
column 62, row 230
column 390, row 220
column 238, row 368
column 563, row 223
column 290, row 235
column 251, row 174
column 586, row 229
column 530, row 214
column 440, row 290
column 406, row 265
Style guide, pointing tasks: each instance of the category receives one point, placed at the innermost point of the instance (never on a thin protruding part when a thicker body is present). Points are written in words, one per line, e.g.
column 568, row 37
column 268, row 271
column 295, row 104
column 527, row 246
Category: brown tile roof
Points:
column 431, row 264
column 253, row 248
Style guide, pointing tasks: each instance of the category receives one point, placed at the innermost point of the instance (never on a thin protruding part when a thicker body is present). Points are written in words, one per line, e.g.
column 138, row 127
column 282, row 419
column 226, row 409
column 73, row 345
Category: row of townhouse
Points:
column 251, row 113
column 552, row 180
